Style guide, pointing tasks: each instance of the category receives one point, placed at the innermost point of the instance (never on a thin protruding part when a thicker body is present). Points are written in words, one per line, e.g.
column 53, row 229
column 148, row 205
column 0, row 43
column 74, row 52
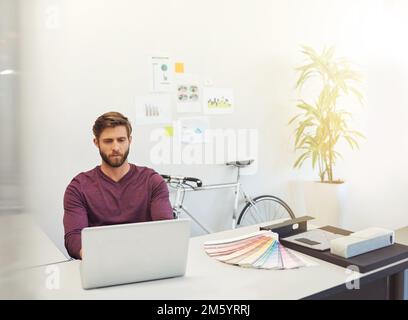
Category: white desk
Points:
column 205, row 279
column 22, row 245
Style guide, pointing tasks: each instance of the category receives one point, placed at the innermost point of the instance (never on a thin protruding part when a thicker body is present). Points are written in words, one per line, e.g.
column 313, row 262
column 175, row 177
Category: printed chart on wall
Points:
column 153, row 109
column 161, row 74
column 261, row 250
column 188, row 97
column 192, row 130
column 218, row 100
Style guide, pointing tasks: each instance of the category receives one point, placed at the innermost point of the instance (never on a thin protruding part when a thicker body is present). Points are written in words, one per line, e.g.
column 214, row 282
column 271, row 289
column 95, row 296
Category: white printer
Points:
column 361, row 242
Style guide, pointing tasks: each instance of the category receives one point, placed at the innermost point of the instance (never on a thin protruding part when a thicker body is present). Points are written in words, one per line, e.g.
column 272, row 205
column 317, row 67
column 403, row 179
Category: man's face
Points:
column 113, row 145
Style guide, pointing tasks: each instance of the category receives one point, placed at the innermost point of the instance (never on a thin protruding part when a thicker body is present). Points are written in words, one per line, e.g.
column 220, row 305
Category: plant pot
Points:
column 323, row 201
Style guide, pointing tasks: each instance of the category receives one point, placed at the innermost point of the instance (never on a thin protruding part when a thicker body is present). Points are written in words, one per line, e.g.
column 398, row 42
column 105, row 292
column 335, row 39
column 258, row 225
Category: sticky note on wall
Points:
column 169, row 131
column 179, row 67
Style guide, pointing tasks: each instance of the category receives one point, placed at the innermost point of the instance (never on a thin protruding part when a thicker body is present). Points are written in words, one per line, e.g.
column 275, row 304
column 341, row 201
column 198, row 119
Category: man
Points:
column 116, row 191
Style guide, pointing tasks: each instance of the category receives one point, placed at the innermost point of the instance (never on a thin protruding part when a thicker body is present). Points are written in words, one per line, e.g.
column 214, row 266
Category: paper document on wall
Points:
column 218, row 100
column 161, row 74
column 193, row 130
column 153, row 109
column 256, row 250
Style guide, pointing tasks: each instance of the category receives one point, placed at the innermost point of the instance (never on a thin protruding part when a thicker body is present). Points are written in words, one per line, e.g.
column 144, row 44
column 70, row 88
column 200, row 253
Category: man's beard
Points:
column 114, row 162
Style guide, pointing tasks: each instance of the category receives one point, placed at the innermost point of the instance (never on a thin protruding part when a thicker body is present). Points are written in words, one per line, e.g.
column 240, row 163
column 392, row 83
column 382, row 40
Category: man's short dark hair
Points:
column 110, row 120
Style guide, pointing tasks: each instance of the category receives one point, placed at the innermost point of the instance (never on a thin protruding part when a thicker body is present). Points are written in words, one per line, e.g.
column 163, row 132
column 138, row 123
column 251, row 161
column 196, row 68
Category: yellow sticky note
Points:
column 179, row 67
column 169, row 131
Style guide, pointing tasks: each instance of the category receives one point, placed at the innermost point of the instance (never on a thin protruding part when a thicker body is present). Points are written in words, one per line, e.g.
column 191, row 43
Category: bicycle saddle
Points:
column 240, row 163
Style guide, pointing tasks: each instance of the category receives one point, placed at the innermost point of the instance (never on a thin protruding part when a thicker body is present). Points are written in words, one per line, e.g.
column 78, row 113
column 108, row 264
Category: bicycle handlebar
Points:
column 197, row 181
column 180, row 179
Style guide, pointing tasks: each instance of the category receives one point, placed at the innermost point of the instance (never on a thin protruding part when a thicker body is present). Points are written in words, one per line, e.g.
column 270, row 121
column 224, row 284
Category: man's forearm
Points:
column 73, row 245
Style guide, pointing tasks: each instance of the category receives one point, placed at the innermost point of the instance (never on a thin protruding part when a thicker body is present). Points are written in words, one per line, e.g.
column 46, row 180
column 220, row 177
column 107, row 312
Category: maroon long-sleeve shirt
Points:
column 94, row 199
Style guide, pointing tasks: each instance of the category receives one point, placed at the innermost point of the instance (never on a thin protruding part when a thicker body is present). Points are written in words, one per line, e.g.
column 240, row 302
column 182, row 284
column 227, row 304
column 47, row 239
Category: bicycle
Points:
column 256, row 210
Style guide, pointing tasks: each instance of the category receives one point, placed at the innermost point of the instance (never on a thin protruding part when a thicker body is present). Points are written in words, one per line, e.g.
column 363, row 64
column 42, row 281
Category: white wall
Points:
column 10, row 200
column 94, row 59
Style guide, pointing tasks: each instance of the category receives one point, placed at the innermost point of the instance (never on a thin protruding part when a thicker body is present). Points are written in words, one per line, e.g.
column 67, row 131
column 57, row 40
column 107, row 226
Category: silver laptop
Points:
column 126, row 253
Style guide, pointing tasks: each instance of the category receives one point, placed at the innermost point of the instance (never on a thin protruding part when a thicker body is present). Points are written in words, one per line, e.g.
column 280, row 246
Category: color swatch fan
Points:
column 256, row 250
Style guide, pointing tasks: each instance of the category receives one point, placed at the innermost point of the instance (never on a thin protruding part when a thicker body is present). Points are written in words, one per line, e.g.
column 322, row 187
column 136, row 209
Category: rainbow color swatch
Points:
column 260, row 250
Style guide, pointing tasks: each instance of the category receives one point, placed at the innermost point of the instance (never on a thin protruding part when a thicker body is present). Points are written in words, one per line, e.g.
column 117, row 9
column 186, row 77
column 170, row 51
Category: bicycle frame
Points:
column 181, row 189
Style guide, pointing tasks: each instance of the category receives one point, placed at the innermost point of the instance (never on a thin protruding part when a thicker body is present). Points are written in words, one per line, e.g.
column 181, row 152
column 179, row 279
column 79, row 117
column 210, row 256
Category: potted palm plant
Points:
column 321, row 125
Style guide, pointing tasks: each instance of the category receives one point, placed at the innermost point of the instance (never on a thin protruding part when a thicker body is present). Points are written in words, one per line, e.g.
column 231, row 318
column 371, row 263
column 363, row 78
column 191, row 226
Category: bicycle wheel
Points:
column 263, row 209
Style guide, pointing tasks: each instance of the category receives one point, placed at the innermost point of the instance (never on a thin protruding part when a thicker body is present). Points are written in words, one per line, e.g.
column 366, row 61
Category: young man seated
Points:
column 115, row 192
